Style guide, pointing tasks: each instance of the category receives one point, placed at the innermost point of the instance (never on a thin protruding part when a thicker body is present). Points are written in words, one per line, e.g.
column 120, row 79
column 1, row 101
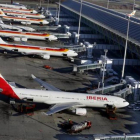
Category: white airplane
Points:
column 44, row 52
column 59, row 99
column 24, row 20
column 13, row 6
column 14, row 27
column 18, row 10
column 30, row 15
column 132, row 14
column 27, row 35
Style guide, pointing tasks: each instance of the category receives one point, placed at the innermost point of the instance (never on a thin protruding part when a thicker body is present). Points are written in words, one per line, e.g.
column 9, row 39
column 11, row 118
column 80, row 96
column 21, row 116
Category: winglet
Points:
column 33, row 76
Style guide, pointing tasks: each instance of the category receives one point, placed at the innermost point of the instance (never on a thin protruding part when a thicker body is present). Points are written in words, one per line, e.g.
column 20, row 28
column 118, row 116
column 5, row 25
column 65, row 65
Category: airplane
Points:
column 27, row 35
column 13, row 6
column 60, row 100
column 132, row 14
column 30, row 15
column 24, row 20
column 15, row 27
column 18, row 10
column 44, row 52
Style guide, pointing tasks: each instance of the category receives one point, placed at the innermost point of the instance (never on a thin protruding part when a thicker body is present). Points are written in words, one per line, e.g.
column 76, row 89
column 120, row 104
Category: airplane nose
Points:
column 127, row 103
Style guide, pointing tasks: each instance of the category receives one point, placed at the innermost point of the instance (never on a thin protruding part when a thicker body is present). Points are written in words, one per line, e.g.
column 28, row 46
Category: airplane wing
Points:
column 45, row 85
column 62, row 106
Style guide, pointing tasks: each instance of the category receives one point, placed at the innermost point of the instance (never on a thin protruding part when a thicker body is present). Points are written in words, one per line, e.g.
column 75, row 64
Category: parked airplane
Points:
column 44, row 52
column 27, row 35
column 132, row 14
column 13, row 6
column 18, row 10
column 59, row 99
column 24, row 20
column 30, row 15
column 15, row 27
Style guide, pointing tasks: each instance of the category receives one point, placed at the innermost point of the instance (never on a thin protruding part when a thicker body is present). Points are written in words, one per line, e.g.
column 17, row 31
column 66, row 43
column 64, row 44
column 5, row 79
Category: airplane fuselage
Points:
column 13, row 6
column 30, row 15
column 18, row 10
column 26, row 49
column 28, row 20
column 18, row 28
column 29, row 35
column 55, row 97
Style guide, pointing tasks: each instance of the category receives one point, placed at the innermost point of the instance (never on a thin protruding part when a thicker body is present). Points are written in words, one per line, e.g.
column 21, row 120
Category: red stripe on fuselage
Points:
column 10, row 17
column 7, row 90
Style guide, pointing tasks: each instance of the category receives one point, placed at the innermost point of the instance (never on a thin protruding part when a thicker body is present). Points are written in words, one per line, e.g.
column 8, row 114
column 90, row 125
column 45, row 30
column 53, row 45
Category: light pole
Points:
column 40, row 3
column 125, row 48
column 107, row 4
column 104, row 70
column 47, row 5
column 79, row 20
column 134, row 5
column 59, row 11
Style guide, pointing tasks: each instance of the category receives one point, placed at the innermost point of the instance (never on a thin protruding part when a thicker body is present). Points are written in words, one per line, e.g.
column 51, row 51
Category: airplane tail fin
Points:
column 2, row 13
column 6, row 89
column 2, row 41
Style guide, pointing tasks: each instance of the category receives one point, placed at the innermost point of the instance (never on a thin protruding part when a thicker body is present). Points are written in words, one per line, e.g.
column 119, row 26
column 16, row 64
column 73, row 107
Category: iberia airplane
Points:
column 13, row 6
column 14, row 27
column 18, row 10
column 31, row 15
column 60, row 100
column 27, row 35
column 24, row 20
column 44, row 52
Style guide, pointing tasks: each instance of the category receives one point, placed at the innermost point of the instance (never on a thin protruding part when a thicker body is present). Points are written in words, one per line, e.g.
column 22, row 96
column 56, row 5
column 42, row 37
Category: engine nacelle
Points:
column 46, row 56
column 26, row 23
column 17, row 39
column 20, row 39
column 80, row 111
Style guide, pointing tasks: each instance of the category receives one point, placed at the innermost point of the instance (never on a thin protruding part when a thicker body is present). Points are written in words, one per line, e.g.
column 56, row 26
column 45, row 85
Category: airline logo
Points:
column 97, row 98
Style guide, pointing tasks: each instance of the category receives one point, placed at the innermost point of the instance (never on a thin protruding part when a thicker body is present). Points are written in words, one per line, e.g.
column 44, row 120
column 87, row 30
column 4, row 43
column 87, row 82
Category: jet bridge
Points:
column 108, row 89
column 76, row 48
column 124, row 92
column 82, row 68
column 62, row 35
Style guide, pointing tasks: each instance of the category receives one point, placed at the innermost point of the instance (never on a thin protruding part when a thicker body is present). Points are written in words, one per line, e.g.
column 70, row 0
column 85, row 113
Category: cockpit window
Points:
column 124, row 101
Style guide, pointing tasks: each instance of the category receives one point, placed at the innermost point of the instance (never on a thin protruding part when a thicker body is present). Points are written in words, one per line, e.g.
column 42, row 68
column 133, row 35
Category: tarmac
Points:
column 37, row 126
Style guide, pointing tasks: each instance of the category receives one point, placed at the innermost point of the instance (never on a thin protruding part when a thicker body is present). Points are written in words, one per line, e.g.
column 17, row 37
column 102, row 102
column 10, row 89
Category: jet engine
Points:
column 46, row 56
column 80, row 111
column 25, row 23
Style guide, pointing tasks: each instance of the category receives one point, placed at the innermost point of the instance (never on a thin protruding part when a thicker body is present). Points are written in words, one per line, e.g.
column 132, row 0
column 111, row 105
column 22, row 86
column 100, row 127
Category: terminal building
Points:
column 110, row 24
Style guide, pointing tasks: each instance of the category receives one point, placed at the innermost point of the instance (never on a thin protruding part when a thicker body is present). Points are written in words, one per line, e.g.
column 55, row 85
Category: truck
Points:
column 79, row 127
